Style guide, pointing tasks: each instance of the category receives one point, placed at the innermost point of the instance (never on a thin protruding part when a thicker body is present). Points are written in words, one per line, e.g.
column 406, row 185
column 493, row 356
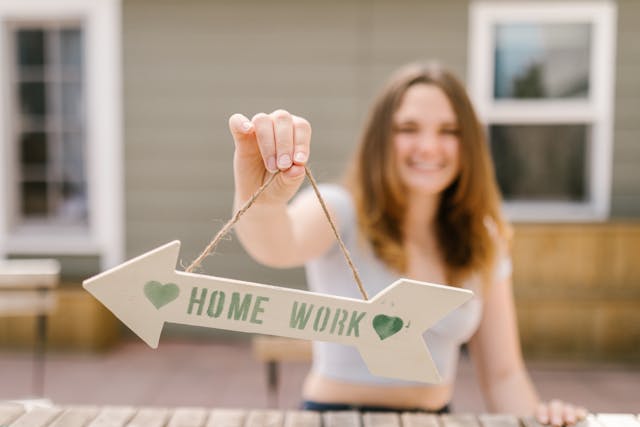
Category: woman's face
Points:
column 426, row 140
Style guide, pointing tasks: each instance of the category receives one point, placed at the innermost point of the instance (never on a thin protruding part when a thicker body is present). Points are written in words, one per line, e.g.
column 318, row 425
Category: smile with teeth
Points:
column 426, row 166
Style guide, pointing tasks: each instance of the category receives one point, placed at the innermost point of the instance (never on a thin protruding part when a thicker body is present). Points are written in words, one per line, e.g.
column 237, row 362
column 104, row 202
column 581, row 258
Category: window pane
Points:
column 31, row 51
column 34, row 199
column 73, row 157
column 542, row 60
column 541, row 162
column 71, row 46
column 74, row 195
column 72, row 105
column 74, row 202
column 33, row 99
column 34, row 148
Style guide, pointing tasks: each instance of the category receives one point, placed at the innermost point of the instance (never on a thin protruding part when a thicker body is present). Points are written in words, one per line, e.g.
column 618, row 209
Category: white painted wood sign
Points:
column 147, row 291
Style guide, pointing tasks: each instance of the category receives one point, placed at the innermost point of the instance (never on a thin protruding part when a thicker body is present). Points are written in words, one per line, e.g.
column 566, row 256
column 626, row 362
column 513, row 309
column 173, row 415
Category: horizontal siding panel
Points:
column 627, row 46
column 240, row 17
column 628, row 85
column 211, row 117
column 177, row 145
column 390, row 60
column 242, row 50
column 420, row 39
column 185, row 205
column 225, row 79
column 232, row 28
column 628, row 12
column 626, row 179
column 626, row 120
column 418, row 17
column 200, row 115
column 171, row 175
column 625, row 206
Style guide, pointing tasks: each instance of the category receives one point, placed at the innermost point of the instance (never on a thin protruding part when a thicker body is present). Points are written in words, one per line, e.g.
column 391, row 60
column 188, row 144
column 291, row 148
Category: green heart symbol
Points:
column 386, row 326
column 159, row 294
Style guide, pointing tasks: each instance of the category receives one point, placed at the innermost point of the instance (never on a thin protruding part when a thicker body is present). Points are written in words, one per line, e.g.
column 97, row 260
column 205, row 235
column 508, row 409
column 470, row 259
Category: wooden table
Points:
column 27, row 289
column 16, row 415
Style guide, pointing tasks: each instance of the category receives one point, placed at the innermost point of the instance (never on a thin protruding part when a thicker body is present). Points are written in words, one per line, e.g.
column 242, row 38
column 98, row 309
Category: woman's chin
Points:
column 425, row 190
column 426, row 187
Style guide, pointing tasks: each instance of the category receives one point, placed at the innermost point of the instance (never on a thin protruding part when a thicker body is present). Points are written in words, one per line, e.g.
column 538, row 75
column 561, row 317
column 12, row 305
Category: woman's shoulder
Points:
column 334, row 192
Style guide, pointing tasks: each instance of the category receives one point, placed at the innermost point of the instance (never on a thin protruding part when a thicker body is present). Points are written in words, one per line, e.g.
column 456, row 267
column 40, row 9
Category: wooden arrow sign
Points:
column 147, row 291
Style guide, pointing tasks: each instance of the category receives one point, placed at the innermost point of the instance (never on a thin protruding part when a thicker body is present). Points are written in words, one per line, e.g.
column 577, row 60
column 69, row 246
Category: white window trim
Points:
column 102, row 29
column 597, row 110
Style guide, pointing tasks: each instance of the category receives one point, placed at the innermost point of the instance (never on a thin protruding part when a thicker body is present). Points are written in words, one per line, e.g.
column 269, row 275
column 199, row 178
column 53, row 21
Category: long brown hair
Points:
column 469, row 221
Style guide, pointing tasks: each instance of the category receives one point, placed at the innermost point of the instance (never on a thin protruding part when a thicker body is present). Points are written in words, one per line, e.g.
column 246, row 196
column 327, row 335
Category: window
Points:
column 48, row 132
column 541, row 75
column 60, row 129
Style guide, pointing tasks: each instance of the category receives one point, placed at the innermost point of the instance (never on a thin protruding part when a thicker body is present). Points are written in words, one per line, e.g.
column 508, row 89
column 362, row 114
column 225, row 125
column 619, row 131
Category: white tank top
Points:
column 330, row 274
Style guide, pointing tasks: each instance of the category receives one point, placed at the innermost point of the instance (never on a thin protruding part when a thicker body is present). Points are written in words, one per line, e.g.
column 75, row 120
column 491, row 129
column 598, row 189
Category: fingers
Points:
column 558, row 413
column 266, row 140
column 283, row 131
column 283, row 140
column 542, row 413
column 569, row 414
column 280, row 138
column 301, row 139
column 242, row 131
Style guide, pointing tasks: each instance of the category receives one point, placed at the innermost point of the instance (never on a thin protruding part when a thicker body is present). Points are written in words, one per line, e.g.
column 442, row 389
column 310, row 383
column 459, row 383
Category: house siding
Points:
column 625, row 192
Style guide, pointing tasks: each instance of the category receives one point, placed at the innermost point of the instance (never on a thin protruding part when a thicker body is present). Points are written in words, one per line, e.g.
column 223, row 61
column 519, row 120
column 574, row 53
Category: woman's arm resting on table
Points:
column 274, row 233
column 497, row 357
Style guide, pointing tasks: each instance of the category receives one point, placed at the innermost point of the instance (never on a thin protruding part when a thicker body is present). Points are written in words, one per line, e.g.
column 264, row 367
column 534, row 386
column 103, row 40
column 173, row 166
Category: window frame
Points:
column 596, row 111
column 100, row 21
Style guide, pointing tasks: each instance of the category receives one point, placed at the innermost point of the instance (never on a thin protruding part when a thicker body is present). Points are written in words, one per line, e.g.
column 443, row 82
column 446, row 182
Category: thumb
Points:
column 243, row 134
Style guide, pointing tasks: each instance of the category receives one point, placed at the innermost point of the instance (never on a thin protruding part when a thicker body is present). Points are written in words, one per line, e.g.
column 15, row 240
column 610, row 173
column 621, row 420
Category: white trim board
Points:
column 102, row 29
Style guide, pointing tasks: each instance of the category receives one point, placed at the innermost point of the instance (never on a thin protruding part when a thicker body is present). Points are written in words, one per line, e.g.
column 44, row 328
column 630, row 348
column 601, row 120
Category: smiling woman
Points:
column 421, row 202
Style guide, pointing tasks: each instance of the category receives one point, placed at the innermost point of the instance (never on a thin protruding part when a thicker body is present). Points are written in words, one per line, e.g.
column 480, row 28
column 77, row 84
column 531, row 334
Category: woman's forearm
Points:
column 266, row 232
column 514, row 394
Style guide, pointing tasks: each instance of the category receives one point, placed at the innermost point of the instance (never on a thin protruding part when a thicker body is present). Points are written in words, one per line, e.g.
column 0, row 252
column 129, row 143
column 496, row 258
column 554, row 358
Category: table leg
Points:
column 39, row 354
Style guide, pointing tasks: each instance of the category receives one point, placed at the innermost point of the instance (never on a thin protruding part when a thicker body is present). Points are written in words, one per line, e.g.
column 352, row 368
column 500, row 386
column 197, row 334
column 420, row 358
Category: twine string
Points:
column 236, row 217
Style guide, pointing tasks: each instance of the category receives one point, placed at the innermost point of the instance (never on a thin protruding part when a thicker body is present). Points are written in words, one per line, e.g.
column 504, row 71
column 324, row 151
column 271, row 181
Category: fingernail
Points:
column 300, row 157
column 246, row 126
column 284, row 161
column 271, row 164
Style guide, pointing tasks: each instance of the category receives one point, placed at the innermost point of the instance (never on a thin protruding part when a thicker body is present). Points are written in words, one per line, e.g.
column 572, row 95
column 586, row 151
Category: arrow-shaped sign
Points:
column 147, row 291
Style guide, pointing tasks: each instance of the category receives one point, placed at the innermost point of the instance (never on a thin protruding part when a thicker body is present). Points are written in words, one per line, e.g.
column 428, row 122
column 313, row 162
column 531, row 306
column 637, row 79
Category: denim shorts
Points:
column 310, row 405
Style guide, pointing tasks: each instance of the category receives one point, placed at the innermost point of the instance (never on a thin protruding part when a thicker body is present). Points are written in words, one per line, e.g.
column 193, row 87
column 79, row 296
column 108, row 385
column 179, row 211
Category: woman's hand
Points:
column 265, row 144
column 559, row 413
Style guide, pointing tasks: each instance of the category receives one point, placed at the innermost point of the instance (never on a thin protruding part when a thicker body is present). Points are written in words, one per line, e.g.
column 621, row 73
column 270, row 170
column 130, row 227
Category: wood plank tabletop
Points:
column 16, row 415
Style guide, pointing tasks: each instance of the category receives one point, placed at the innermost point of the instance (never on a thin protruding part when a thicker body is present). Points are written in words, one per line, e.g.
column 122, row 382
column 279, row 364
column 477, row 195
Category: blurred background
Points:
column 114, row 140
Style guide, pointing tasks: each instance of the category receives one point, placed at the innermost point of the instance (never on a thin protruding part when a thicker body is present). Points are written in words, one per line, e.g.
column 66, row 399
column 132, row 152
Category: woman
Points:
column 420, row 201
